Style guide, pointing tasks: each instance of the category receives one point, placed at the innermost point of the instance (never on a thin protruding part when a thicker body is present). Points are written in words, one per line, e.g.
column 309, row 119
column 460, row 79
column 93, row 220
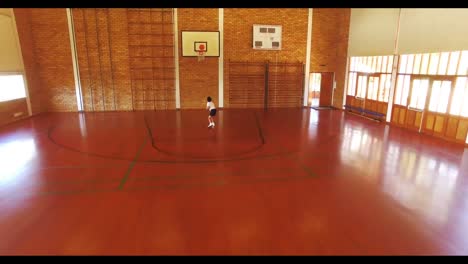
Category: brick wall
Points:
column 330, row 32
column 107, row 71
column 126, row 58
column 238, row 26
column 105, row 79
column 51, row 41
column 35, row 89
column 238, row 37
column 197, row 79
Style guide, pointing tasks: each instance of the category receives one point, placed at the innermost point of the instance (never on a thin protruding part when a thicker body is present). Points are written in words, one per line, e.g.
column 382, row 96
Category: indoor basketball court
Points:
column 331, row 137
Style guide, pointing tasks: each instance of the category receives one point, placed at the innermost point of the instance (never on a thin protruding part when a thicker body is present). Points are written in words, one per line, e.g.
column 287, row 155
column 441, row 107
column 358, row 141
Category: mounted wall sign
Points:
column 267, row 37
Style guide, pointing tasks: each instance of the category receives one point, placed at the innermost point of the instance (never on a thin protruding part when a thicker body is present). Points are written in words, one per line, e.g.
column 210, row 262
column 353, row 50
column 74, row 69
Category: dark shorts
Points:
column 212, row 112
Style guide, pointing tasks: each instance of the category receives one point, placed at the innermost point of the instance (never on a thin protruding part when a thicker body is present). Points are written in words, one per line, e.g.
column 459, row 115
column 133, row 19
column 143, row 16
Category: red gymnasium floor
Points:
column 285, row 181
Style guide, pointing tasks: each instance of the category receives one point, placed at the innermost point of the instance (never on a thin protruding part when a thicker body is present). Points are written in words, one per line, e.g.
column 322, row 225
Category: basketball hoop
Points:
column 201, row 55
column 200, row 48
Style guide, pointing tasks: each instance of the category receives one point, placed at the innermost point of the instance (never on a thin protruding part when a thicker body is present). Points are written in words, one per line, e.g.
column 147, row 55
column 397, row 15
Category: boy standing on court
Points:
column 210, row 106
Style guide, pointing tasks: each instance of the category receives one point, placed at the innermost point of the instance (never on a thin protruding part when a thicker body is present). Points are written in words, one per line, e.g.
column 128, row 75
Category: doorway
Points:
column 320, row 89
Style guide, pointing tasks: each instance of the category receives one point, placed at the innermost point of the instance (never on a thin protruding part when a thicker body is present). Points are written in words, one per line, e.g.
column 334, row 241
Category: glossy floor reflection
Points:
column 284, row 181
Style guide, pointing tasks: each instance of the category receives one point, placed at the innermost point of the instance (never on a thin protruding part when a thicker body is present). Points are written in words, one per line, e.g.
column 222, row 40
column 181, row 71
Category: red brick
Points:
column 105, row 58
column 330, row 32
column 197, row 79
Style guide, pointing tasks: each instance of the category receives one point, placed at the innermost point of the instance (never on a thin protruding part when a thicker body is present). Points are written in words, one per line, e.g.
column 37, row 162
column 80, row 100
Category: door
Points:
column 314, row 89
column 326, row 89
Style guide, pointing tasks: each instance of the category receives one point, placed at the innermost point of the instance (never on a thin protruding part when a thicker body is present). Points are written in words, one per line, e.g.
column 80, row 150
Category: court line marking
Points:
column 260, row 131
column 265, row 156
column 221, row 182
column 178, row 176
column 132, row 164
column 198, row 159
column 51, row 139
column 307, row 170
column 254, row 157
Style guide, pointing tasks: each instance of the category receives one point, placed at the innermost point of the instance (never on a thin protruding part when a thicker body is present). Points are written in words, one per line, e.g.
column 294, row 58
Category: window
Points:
column 460, row 96
column 425, row 63
column 419, row 82
column 440, row 96
column 352, row 64
column 443, row 100
column 373, row 88
column 360, row 64
column 443, row 63
column 390, row 64
column 376, row 87
column 384, row 62
column 362, row 87
column 366, row 66
column 352, row 84
column 384, row 87
column 434, row 63
column 357, row 67
column 405, row 92
column 403, row 62
column 379, row 64
column 417, row 63
column 12, row 87
column 452, row 68
column 409, row 65
column 402, row 90
column 463, row 67
column 419, row 93
column 444, row 58
column 374, row 64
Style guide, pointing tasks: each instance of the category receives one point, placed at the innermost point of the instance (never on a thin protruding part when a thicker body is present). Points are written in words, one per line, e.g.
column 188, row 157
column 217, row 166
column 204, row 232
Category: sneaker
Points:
column 211, row 124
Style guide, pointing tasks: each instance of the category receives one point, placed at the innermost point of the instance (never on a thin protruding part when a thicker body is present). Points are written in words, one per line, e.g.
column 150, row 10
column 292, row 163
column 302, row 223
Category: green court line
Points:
column 132, row 164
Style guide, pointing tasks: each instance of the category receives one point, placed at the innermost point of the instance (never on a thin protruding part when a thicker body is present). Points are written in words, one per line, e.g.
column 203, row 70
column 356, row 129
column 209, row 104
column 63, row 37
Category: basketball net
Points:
column 201, row 55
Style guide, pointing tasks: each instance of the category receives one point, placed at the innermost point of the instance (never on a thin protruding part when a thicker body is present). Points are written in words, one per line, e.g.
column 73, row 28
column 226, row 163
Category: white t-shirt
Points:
column 210, row 105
